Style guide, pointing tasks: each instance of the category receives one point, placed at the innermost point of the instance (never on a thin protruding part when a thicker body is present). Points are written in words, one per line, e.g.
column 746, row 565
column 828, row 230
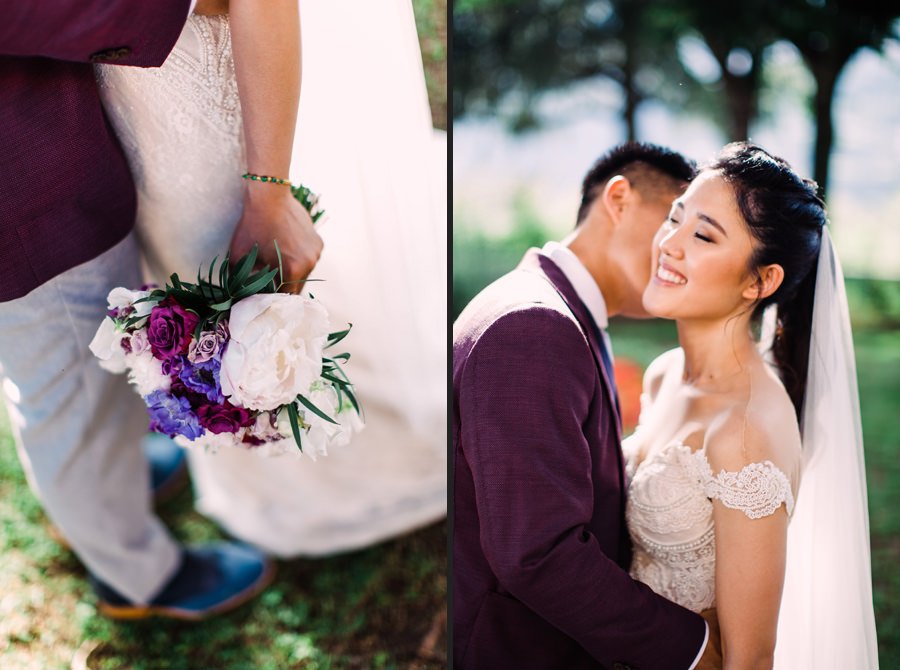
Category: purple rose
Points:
column 172, row 416
column 170, row 328
column 224, row 418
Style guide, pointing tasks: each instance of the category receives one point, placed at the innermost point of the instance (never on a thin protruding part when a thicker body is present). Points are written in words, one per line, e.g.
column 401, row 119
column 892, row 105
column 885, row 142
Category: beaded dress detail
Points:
column 670, row 517
column 180, row 126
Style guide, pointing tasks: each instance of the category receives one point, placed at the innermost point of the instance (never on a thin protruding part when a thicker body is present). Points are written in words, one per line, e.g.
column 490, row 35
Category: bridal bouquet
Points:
column 232, row 362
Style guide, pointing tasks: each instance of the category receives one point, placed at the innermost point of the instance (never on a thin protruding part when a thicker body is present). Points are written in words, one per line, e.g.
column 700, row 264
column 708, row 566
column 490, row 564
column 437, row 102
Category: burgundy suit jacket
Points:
column 66, row 194
column 540, row 545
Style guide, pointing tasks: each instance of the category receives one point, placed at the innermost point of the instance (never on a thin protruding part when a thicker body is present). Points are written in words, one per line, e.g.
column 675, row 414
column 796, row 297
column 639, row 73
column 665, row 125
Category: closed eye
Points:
column 700, row 236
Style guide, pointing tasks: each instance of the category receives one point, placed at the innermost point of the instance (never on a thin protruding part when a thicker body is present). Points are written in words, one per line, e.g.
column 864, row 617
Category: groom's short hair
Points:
column 652, row 170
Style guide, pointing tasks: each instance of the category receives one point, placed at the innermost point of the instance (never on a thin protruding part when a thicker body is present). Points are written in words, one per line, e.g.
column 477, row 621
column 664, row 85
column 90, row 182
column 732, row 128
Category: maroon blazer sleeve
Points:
column 525, row 392
column 141, row 32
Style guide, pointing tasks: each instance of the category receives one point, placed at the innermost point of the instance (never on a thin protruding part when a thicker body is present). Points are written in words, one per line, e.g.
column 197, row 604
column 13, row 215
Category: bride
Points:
column 364, row 141
column 747, row 493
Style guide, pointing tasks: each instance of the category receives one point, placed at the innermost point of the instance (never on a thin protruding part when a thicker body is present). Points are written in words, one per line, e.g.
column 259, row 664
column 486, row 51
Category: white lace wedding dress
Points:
column 669, row 512
column 364, row 142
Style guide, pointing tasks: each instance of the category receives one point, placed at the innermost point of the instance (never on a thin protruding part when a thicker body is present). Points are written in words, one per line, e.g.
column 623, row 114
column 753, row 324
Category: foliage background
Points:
column 536, row 90
column 384, row 607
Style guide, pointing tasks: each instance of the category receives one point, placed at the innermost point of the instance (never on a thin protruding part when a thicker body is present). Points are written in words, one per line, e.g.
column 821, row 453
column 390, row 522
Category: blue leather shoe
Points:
column 212, row 579
column 168, row 466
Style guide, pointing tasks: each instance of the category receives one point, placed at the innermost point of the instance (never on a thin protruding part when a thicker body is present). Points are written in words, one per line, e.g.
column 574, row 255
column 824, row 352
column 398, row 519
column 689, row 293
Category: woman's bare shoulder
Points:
column 760, row 427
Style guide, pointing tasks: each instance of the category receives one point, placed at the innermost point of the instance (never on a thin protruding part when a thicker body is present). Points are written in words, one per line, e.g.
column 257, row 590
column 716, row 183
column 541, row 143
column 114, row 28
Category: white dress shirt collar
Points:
column 581, row 281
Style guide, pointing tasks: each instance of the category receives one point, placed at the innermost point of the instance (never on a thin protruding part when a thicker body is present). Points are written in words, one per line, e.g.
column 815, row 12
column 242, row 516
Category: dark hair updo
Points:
column 785, row 217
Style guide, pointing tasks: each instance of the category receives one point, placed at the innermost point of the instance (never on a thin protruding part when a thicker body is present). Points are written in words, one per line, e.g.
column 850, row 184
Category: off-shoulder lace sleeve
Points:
column 757, row 490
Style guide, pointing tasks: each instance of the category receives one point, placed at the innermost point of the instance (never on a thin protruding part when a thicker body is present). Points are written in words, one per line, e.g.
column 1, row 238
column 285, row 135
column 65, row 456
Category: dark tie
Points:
column 608, row 365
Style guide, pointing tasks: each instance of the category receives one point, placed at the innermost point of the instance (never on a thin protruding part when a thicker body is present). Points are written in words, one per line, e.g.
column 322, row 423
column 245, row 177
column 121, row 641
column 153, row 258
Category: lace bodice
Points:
column 180, row 125
column 670, row 517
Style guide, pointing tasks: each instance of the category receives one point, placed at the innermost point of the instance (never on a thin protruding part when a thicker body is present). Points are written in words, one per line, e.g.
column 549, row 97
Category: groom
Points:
column 67, row 209
column 540, row 546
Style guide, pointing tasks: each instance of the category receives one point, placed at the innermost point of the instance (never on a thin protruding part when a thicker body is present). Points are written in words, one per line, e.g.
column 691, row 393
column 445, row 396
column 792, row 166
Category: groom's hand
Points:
column 272, row 213
column 712, row 655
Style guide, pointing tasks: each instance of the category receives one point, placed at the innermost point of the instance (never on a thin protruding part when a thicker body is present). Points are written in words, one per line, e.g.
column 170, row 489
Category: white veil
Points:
column 827, row 619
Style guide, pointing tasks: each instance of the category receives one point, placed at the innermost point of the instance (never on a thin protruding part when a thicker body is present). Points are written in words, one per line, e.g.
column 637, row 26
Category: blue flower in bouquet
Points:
column 203, row 377
column 172, row 416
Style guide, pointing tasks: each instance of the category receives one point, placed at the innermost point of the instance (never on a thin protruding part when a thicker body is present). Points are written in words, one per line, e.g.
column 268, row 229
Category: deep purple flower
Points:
column 172, row 416
column 120, row 312
column 203, row 378
column 179, row 390
column 173, row 366
column 170, row 328
column 224, row 418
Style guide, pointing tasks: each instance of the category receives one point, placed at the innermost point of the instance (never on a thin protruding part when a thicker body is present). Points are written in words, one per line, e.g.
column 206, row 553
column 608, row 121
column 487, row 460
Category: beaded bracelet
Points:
column 271, row 180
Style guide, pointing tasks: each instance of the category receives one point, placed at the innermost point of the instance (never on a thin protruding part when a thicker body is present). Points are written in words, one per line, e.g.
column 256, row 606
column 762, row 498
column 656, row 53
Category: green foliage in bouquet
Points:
column 309, row 200
column 212, row 297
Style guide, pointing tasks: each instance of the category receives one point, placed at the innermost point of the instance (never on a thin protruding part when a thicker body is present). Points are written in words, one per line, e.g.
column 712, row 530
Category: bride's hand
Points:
column 211, row 7
column 272, row 213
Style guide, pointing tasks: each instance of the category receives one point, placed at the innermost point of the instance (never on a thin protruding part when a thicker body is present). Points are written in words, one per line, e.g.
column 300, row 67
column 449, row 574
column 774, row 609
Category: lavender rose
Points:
column 172, row 416
column 224, row 418
column 169, row 329
column 208, row 346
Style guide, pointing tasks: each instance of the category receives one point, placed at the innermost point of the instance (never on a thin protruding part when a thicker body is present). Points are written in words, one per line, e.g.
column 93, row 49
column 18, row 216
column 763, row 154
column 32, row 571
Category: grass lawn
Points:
column 384, row 607
column 378, row 608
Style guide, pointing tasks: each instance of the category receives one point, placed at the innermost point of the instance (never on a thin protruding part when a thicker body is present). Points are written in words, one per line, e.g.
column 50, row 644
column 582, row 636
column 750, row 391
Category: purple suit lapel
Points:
column 534, row 261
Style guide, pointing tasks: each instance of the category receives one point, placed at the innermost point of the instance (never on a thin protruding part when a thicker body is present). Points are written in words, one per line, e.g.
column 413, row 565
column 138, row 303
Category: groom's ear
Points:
column 766, row 282
column 616, row 195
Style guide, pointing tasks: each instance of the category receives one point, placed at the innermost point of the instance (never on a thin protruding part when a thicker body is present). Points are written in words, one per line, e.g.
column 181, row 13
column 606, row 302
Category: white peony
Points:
column 107, row 346
column 145, row 372
column 211, row 442
column 275, row 350
column 319, row 434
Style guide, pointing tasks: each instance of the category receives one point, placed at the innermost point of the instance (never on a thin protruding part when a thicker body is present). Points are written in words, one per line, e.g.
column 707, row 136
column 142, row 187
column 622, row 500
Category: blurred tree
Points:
column 736, row 34
column 828, row 33
column 507, row 52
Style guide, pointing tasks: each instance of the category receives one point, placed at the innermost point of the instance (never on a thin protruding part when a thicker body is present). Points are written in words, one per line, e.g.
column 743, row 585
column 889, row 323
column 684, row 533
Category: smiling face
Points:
column 700, row 256
column 631, row 250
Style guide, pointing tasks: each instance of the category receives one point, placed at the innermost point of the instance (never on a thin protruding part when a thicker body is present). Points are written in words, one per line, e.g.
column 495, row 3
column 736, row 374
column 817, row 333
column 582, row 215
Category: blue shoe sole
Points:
column 136, row 612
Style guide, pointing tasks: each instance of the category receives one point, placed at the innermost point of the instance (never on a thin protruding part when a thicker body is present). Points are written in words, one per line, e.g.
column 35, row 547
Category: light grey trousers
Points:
column 78, row 428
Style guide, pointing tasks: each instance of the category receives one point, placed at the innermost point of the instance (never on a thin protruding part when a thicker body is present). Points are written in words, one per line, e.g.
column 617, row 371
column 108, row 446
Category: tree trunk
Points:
column 740, row 91
column 629, row 39
column 741, row 100
column 825, row 71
